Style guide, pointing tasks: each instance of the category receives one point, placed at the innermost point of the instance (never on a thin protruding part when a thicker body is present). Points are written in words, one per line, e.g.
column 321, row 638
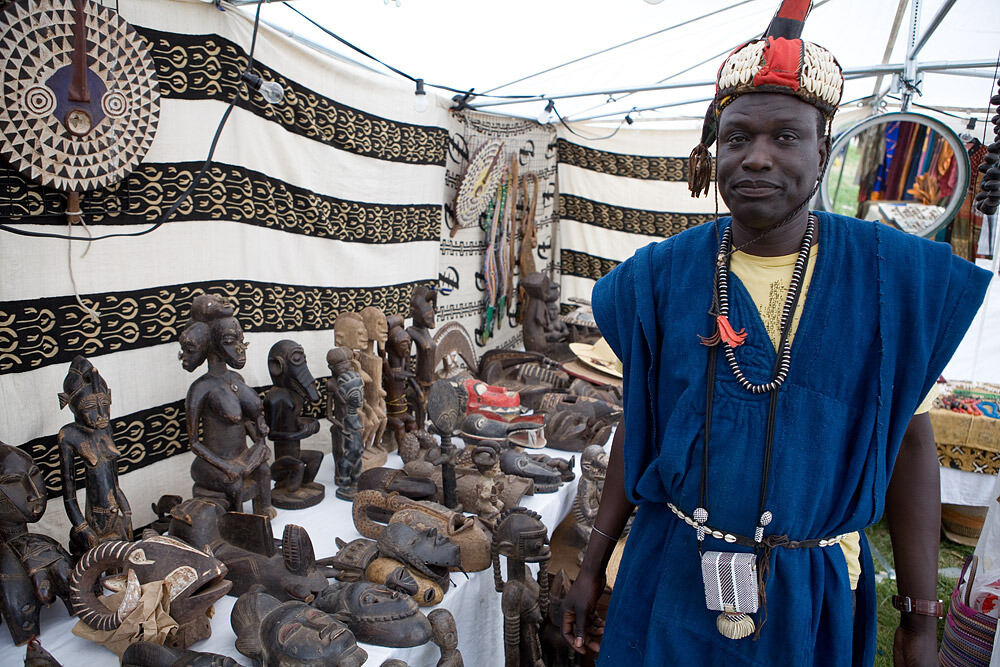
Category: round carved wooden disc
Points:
column 68, row 145
column 479, row 185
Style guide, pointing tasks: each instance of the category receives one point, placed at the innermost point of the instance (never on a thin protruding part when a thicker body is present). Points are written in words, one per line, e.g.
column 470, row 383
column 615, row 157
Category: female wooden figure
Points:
column 107, row 514
column 227, row 411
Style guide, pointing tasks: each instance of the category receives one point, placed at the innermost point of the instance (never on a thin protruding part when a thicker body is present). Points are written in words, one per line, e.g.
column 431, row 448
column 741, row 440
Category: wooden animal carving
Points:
column 195, row 581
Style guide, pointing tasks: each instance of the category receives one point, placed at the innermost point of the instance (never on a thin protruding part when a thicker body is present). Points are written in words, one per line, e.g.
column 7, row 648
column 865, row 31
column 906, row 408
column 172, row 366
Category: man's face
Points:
column 769, row 157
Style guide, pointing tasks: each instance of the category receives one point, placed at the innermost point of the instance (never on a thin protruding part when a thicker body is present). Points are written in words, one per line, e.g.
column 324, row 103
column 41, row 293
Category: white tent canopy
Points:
column 485, row 46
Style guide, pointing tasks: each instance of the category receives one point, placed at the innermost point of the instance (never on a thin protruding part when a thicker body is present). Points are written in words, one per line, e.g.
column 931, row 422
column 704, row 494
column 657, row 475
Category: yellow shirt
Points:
column 767, row 280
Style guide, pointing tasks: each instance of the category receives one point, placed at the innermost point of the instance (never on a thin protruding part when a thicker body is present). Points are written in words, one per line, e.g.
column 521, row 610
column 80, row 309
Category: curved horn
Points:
column 83, row 601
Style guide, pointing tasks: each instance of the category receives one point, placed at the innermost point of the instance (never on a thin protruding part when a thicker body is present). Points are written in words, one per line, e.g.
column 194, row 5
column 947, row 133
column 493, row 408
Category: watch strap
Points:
column 917, row 606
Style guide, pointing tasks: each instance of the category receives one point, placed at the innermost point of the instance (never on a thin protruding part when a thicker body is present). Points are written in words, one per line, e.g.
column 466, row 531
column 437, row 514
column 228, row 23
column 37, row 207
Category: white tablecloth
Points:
column 960, row 487
column 473, row 602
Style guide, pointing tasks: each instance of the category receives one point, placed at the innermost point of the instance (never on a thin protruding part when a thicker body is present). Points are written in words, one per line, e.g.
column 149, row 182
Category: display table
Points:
column 960, row 487
column 473, row 602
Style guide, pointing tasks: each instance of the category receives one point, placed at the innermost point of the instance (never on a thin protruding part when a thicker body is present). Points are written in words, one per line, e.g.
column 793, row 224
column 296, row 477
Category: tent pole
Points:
column 851, row 73
column 908, row 78
column 893, row 34
column 935, row 22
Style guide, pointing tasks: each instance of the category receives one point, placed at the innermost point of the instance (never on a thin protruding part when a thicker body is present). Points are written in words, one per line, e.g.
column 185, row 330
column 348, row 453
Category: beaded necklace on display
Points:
column 784, row 354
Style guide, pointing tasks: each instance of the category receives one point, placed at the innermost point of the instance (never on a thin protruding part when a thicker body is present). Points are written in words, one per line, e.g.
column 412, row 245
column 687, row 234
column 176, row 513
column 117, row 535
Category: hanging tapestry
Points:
column 482, row 261
column 617, row 195
column 326, row 202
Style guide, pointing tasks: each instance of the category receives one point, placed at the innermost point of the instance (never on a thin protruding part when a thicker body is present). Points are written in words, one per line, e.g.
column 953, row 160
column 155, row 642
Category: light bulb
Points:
column 420, row 100
column 269, row 90
column 272, row 92
column 546, row 116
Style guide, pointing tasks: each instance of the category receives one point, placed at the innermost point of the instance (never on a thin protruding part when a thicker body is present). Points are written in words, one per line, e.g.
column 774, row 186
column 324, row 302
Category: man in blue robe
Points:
column 781, row 441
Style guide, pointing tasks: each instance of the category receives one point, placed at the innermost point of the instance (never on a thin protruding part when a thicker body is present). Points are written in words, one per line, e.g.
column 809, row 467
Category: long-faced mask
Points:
column 426, row 551
column 285, row 634
column 376, row 614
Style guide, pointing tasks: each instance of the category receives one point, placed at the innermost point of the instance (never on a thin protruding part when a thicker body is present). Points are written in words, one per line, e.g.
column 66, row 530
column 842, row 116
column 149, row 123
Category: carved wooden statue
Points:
column 427, row 555
column 594, row 462
column 285, row 634
column 222, row 411
column 422, row 305
column 350, row 332
column 572, row 431
column 34, row 569
column 36, row 656
column 521, row 537
column 480, row 493
column 555, row 649
column 446, row 638
column 294, row 468
column 373, row 509
column 193, row 579
column 542, row 328
column 248, row 548
column 345, row 398
column 397, row 378
column 444, row 408
column 107, row 515
column 548, row 473
column 148, row 654
column 374, row 361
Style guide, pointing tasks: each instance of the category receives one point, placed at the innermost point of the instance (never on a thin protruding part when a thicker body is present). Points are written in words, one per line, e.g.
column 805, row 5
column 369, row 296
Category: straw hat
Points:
column 598, row 356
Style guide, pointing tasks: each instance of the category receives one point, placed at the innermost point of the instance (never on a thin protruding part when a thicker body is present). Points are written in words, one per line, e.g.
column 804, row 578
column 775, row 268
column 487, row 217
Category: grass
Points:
column 842, row 180
column 950, row 555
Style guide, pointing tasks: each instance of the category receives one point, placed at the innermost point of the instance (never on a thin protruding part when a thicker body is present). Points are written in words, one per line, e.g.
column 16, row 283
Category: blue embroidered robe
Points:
column 884, row 313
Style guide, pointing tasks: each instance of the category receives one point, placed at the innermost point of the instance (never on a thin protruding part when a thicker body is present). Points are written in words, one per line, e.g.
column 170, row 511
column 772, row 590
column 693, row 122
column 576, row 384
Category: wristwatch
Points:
column 917, row 606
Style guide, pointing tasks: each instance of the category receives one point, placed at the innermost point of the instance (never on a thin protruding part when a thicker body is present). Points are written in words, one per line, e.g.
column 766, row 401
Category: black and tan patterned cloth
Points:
column 325, row 203
column 617, row 195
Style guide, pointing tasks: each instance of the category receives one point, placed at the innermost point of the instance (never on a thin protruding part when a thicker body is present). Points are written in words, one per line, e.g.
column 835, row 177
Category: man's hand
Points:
column 582, row 628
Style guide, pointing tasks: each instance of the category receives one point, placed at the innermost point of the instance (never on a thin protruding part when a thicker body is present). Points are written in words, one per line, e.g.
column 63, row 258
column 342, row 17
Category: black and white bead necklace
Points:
column 785, row 353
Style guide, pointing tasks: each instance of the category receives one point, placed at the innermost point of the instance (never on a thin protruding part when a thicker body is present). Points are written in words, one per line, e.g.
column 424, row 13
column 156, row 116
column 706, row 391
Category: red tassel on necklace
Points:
column 724, row 333
column 728, row 334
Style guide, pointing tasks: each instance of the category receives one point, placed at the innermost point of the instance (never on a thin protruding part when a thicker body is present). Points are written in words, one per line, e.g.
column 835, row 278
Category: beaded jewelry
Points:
column 785, row 353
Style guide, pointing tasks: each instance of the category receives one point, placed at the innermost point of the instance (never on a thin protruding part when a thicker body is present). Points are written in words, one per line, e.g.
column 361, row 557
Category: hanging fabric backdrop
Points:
column 462, row 277
column 327, row 202
column 619, row 194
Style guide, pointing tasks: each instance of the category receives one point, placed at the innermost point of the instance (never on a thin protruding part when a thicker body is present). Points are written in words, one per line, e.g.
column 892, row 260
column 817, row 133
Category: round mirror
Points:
column 905, row 169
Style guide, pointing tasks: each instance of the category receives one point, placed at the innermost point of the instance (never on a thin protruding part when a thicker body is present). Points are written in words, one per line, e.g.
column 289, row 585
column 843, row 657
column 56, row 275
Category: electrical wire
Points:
column 616, row 46
column 400, row 72
column 583, row 136
column 184, row 195
column 896, row 98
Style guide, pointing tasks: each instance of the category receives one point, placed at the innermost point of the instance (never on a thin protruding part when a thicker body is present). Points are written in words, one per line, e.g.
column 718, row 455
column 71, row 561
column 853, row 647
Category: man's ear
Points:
column 823, row 148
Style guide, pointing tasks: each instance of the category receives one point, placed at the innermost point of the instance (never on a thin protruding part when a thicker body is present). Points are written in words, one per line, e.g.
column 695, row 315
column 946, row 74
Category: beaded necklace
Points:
column 729, row 340
column 784, row 353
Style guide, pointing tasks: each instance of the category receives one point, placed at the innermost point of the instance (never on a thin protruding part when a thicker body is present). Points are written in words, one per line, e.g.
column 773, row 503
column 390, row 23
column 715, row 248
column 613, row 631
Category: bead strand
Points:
column 785, row 354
